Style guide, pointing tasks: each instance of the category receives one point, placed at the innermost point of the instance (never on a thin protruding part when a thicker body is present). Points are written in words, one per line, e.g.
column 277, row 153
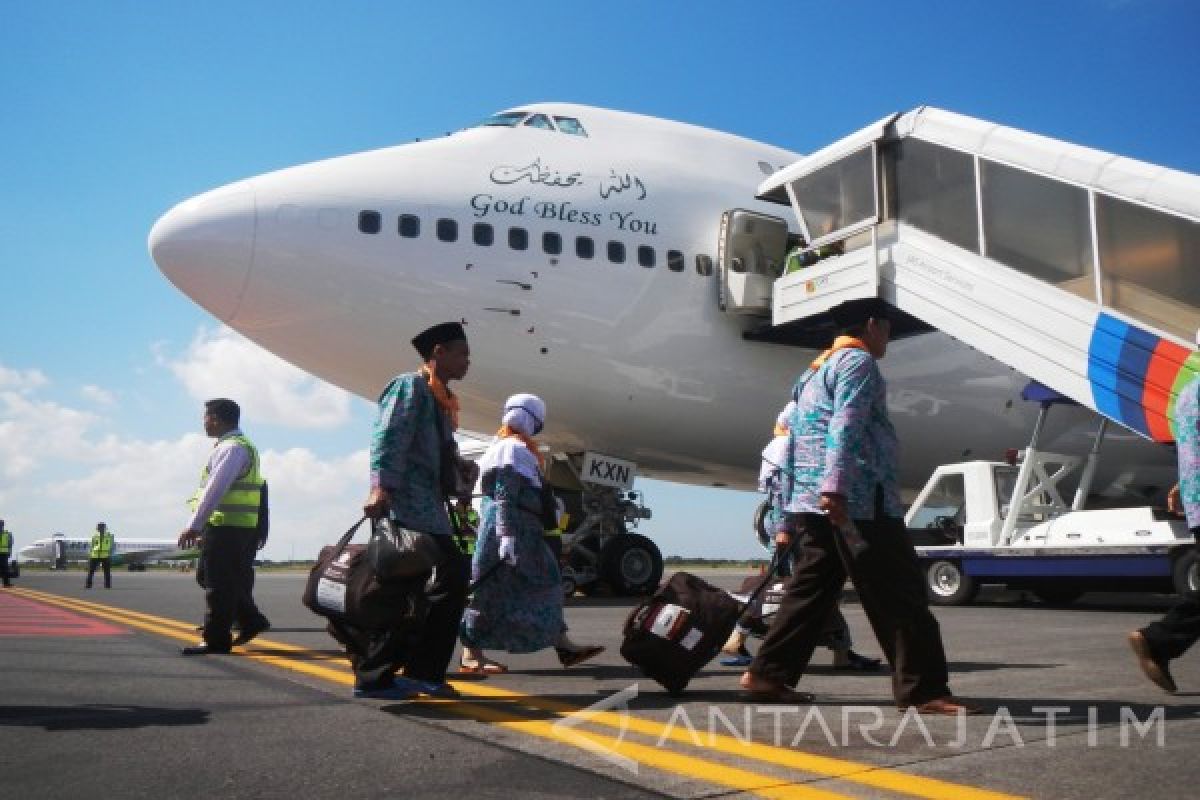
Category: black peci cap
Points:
column 442, row 333
column 857, row 312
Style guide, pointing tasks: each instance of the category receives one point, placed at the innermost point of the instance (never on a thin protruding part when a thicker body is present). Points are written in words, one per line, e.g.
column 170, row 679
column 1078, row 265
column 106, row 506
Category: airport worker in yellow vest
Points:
column 225, row 521
column 100, row 555
column 6, row 544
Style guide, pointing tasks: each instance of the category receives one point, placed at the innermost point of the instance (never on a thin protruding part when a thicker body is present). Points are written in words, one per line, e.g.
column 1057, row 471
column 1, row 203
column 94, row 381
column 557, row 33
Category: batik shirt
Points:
column 406, row 454
column 841, row 440
column 1187, row 438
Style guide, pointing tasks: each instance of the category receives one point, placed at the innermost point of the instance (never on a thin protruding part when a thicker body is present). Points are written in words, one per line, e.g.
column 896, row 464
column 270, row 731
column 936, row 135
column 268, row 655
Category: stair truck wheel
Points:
column 1186, row 573
column 948, row 585
column 632, row 564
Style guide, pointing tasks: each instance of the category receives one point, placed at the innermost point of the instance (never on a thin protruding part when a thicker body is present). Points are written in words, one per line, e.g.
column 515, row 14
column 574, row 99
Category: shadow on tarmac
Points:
column 98, row 717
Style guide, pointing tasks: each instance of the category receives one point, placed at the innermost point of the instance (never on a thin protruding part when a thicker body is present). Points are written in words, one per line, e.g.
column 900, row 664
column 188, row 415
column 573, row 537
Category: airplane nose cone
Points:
column 205, row 246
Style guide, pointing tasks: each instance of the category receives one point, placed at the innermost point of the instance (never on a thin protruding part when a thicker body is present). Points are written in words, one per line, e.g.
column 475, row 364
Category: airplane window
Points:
column 551, row 243
column 539, row 121
column 675, row 261
column 505, row 119
column 410, row 226
column 616, row 252
column 646, row 256
column 766, row 168
column 518, row 238
column 570, row 125
column 369, row 221
column 704, row 265
column 447, row 230
column 482, row 234
column 584, row 247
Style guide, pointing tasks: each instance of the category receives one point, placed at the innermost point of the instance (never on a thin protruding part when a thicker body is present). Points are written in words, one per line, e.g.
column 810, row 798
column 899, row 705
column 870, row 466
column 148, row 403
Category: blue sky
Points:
column 115, row 111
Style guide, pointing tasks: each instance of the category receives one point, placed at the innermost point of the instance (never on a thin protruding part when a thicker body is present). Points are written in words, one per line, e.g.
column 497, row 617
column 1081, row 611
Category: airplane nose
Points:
column 205, row 246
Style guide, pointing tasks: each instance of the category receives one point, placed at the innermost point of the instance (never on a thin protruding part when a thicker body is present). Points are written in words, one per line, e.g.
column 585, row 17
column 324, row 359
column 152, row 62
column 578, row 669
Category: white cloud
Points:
column 34, row 431
column 99, row 396
column 61, row 470
column 23, row 381
column 223, row 363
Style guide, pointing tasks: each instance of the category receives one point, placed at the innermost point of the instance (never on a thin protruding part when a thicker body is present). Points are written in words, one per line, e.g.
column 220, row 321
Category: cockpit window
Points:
column 505, row 119
column 570, row 125
column 539, row 121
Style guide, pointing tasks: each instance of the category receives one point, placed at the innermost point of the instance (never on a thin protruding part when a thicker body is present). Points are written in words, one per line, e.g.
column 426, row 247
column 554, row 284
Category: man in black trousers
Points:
column 839, row 477
column 1157, row 644
column 413, row 463
column 225, row 521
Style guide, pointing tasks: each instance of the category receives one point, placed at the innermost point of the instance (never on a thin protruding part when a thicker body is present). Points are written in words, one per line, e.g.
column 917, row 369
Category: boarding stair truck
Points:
column 987, row 522
column 1073, row 267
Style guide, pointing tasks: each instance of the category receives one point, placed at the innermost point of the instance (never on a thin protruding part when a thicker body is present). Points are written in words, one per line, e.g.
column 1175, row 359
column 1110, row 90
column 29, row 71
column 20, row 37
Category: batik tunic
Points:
column 840, row 439
column 406, row 454
column 1187, row 438
column 518, row 608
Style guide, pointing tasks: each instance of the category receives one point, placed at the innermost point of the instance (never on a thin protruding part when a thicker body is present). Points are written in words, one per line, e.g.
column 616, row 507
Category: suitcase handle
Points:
column 776, row 562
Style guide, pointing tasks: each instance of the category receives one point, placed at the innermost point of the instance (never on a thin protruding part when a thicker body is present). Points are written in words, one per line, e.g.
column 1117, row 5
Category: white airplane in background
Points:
column 134, row 553
column 578, row 245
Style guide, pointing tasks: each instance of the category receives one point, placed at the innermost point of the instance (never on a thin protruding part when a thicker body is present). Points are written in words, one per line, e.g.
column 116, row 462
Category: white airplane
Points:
column 578, row 245
column 134, row 553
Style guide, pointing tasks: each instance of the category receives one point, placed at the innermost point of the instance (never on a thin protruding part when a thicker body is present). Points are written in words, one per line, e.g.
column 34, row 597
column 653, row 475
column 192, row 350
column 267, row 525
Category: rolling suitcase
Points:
column 682, row 627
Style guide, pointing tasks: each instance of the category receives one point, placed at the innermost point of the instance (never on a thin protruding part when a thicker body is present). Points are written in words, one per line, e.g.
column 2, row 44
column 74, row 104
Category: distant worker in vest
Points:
column 6, row 545
column 839, row 476
column 225, row 523
column 415, row 469
column 100, row 555
column 1170, row 637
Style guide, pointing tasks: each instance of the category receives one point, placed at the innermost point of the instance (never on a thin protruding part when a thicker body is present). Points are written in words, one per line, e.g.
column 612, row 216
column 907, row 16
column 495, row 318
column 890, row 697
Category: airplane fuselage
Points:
column 335, row 265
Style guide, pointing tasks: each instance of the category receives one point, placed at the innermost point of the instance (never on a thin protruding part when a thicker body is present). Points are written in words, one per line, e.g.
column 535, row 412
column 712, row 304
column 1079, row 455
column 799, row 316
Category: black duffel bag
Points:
column 343, row 587
column 398, row 552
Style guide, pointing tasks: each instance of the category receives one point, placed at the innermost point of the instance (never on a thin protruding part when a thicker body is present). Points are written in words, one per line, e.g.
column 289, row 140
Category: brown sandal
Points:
column 484, row 667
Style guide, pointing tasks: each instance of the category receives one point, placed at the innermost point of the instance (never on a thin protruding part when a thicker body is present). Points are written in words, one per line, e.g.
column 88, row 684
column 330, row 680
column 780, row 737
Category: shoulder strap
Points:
column 347, row 536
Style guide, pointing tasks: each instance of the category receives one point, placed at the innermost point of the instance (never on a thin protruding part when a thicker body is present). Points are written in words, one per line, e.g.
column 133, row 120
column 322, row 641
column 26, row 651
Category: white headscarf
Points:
column 525, row 413
column 775, row 452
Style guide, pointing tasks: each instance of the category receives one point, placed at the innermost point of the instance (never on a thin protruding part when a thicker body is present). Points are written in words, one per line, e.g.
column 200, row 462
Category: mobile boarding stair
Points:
column 1073, row 266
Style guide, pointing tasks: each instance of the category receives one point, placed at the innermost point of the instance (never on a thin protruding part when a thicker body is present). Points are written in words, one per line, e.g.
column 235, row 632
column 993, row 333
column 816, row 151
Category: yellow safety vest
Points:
column 238, row 507
column 5, row 543
column 102, row 544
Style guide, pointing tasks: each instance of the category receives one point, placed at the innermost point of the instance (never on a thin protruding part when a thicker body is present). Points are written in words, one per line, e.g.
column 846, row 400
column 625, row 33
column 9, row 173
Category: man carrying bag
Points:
column 414, row 467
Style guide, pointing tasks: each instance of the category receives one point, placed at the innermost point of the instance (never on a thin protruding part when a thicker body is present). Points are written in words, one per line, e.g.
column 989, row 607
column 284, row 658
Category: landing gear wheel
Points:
column 632, row 564
column 569, row 587
column 1057, row 595
column 948, row 585
column 1186, row 574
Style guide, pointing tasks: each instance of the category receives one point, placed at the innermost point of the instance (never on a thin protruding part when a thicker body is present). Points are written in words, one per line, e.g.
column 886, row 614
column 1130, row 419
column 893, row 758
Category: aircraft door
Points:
column 750, row 256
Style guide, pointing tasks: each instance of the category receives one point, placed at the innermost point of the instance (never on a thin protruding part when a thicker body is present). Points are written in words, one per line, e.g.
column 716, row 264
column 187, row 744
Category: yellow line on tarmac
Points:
column 665, row 760
column 866, row 774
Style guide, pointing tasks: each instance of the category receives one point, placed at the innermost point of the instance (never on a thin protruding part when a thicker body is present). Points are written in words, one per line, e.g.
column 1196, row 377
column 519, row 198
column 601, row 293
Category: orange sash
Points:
column 840, row 343
column 506, row 432
column 446, row 399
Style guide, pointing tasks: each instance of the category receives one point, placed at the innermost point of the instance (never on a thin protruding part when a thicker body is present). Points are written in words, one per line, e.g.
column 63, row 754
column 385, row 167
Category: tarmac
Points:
column 96, row 700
